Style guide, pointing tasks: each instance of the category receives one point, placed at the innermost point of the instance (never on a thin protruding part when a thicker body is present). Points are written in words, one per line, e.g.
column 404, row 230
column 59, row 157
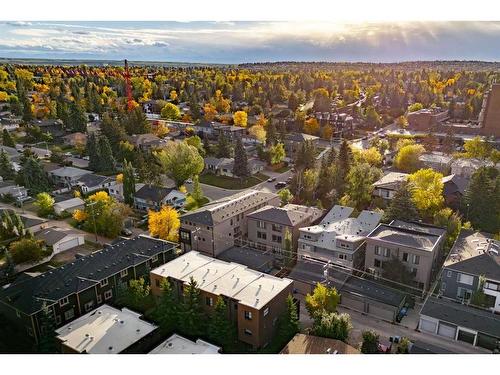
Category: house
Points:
column 60, row 239
column 115, row 189
column 308, row 344
column 387, row 186
column 454, row 189
column 268, row 226
column 339, row 242
column 293, row 142
column 33, row 223
column 75, row 139
column 105, row 330
column 254, row 300
column 145, row 141
column 10, row 189
column 68, row 205
column 224, row 166
column 76, row 288
column 230, row 132
column 91, row 182
column 465, row 167
column 417, row 245
column 218, row 225
column 67, row 176
column 456, row 321
column 204, row 128
column 151, row 197
column 176, row 344
column 53, row 127
column 473, row 265
column 438, row 161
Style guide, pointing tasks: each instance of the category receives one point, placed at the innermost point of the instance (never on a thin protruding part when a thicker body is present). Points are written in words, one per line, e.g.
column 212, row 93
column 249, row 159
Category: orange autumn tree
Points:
column 164, row 223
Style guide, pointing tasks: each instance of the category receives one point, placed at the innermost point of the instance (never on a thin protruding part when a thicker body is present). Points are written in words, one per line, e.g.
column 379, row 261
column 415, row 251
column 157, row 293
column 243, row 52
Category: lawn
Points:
column 232, row 183
column 282, row 169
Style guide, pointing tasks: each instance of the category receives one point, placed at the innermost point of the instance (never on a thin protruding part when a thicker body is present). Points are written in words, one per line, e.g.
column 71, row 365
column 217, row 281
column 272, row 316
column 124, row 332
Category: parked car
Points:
column 280, row 185
column 271, row 179
column 126, row 232
column 189, row 181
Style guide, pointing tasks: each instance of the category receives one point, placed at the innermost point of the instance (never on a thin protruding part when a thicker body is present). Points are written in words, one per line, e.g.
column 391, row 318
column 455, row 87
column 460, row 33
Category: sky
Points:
column 251, row 41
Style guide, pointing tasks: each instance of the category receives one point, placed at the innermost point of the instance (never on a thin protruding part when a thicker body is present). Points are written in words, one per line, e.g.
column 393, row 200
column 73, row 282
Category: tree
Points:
column 128, row 183
column 285, row 196
column 166, row 309
column 47, row 342
column 26, row 250
column 77, row 118
column 209, row 112
column 164, row 223
column 197, row 193
column 33, row 176
column 148, row 167
column 136, row 295
column 371, row 156
column 288, row 324
column 427, row 191
column 45, row 204
column 258, row 132
column 180, row 161
column 93, row 152
column 310, row 184
column 415, row 107
column 7, row 139
column 170, row 112
column 271, row 135
column 240, row 118
column 192, row 321
column 107, row 162
column 220, row 328
column 344, row 159
column 277, row 153
column 321, row 100
column 477, row 148
column 6, row 169
column 370, row 342
column 306, row 156
column 223, row 147
column 407, row 158
column 288, row 249
column 401, row 206
column 372, row 117
column 360, row 181
column 394, row 269
column 481, row 203
column 403, row 346
column 240, row 167
column 323, row 298
column 332, row 325
column 311, row 126
column 11, row 225
column 402, row 122
column 196, row 142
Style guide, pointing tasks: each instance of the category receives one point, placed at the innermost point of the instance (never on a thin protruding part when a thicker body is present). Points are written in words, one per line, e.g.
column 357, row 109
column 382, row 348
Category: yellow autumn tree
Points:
column 164, row 223
column 240, row 118
column 258, row 132
column 173, row 95
column 311, row 126
column 79, row 215
column 119, row 178
column 209, row 112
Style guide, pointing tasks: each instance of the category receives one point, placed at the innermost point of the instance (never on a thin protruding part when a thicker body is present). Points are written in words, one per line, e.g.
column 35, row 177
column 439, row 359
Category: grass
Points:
column 232, row 183
column 282, row 169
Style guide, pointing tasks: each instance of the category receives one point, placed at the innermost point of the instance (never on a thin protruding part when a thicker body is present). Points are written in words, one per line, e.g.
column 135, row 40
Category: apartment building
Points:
column 417, row 245
column 217, row 226
column 473, row 265
column 254, row 300
column 426, row 119
column 268, row 225
column 489, row 118
column 76, row 288
column 340, row 242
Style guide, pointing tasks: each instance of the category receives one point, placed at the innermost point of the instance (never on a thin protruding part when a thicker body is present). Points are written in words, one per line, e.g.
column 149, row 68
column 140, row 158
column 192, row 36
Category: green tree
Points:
column 6, row 169
column 288, row 323
column 107, row 162
column 277, row 153
column 407, row 158
column 166, row 309
column 170, row 112
column 240, row 167
column 306, row 156
column 345, row 159
column 271, row 135
column 223, row 147
column 192, row 321
column 403, row 346
column 33, row 176
column 427, row 191
column 128, row 183
column 394, row 269
column 197, row 193
column 477, row 148
column 285, row 196
column 401, row 206
column 137, row 294
column 11, row 225
column 26, row 250
column 290, row 253
column 7, row 139
column 196, row 142
column 370, row 342
column 45, row 204
column 92, row 150
column 332, row 325
column 323, row 298
column 47, row 342
column 180, row 161
column 220, row 328
column 360, row 181
column 415, row 107
column 77, row 118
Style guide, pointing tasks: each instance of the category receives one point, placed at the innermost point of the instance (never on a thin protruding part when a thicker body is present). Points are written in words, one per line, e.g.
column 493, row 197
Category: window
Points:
column 449, row 273
column 443, row 287
column 108, row 294
column 248, row 315
column 248, row 332
column 154, row 258
column 261, row 235
column 277, row 228
column 342, row 256
column 491, row 286
column 209, row 301
column 58, row 319
column 99, row 298
column 464, row 294
column 462, row 278
column 104, row 282
column 387, row 252
column 123, row 273
column 184, row 235
column 276, row 238
column 63, row 301
column 89, row 305
column 261, row 224
column 377, row 263
column 157, row 282
column 405, row 257
column 266, row 311
column 382, row 251
column 415, row 259
column 69, row 314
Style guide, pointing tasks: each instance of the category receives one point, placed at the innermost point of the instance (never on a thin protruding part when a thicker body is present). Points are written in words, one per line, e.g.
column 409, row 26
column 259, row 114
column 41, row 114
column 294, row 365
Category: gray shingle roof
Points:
column 53, row 235
column 154, row 193
column 93, row 180
column 279, row 215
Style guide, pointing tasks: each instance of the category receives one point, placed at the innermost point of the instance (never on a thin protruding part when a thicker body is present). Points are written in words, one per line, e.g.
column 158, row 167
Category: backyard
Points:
column 231, row 182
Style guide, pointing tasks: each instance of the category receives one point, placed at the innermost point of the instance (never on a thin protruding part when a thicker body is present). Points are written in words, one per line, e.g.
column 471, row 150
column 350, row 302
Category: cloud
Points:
column 18, row 23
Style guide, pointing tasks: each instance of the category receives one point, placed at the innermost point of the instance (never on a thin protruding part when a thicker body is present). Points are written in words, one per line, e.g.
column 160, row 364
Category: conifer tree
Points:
column 223, row 147
column 7, row 139
column 34, row 177
column 93, row 152
column 6, row 170
column 77, row 118
column 166, row 310
column 220, row 328
column 401, row 206
column 192, row 321
column 240, row 167
column 106, row 160
column 128, row 183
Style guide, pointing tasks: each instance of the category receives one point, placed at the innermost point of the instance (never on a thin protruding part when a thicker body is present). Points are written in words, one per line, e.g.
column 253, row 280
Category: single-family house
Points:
column 150, row 197
column 92, row 182
column 387, row 186
column 67, row 176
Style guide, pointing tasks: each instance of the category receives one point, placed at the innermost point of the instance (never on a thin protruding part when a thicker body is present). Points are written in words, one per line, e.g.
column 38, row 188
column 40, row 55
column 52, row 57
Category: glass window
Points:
column 462, row 278
column 248, row 315
column 63, row 301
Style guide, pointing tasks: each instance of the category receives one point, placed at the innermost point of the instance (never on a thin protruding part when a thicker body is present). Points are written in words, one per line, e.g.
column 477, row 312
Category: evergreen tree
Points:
column 206, row 146
column 166, row 310
column 223, row 147
column 77, row 118
column 47, row 341
column 128, row 183
column 271, row 136
column 306, row 156
column 93, row 152
column 370, row 342
column 112, row 130
column 63, row 113
column 344, row 159
column 220, row 328
column 6, row 170
column 7, row 139
column 240, row 167
column 197, row 193
column 34, row 177
column 289, row 321
column 135, row 122
column 106, row 160
column 27, row 107
column 192, row 321
column 401, row 206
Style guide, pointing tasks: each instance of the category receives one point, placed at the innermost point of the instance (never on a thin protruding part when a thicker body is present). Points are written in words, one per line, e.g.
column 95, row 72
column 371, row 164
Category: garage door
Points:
column 447, row 330
column 68, row 244
column 427, row 325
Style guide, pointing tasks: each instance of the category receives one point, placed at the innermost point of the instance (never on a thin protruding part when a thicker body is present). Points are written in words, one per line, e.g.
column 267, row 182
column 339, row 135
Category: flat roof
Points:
column 255, row 259
column 251, row 288
column 105, row 330
column 406, row 236
column 176, row 344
